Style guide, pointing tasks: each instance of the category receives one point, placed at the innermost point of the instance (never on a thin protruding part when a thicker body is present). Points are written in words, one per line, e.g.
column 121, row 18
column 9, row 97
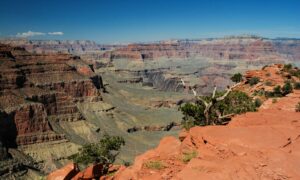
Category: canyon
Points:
column 58, row 95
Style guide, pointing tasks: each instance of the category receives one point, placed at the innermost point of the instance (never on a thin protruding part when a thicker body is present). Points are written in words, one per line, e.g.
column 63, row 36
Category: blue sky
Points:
column 114, row 21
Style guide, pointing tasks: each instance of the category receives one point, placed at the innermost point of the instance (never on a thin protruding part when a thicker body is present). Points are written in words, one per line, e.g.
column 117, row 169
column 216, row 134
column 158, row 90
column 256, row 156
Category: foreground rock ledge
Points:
column 255, row 145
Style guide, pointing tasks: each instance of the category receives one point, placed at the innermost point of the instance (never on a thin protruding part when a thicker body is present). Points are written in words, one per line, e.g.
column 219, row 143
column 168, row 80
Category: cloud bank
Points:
column 32, row 33
column 56, row 33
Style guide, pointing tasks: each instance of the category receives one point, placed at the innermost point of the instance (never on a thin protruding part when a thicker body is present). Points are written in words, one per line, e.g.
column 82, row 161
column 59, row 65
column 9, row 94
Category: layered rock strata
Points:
column 38, row 88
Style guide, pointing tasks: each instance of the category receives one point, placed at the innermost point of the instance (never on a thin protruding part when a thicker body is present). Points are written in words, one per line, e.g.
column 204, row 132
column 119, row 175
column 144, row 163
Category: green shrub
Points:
column 253, row 81
column 257, row 102
column 104, row 152
column 238, row 77
column 287, row 67
column 297, row 85
column 295, row 72
column 260, row 92
column 189, row 156
column 154, row 165
column 287, row 88
column 277, row 91
column 235, row 103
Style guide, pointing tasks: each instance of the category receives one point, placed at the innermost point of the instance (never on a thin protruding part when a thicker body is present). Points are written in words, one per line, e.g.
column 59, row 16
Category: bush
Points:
column 104, row 152
column 260, row 92
column 297, row 85
column 298, row 107
column 287, row 67
column 253, row 81
column 277, row 91
column 287, row 88
column 257, row 102
column 235, row 103
column 238, row 77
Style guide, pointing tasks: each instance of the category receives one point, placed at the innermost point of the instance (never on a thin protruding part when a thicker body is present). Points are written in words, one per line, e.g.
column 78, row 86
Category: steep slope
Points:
column 39, row 93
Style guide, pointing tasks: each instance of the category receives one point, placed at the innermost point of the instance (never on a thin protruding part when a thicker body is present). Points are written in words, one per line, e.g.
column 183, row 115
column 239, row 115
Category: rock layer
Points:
column 38, row 88
column 243, row 48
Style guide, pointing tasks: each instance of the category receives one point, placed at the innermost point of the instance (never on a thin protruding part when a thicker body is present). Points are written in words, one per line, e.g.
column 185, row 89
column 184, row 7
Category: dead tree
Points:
column 209, row 104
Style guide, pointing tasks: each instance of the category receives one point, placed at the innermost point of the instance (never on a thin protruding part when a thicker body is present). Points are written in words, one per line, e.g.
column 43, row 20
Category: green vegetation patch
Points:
column 186, row 157
column 253, row 81
column 154, row 165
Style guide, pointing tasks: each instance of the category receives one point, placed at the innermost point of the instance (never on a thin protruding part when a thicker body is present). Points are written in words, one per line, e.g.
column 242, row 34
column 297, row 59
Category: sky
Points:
column 123, row 21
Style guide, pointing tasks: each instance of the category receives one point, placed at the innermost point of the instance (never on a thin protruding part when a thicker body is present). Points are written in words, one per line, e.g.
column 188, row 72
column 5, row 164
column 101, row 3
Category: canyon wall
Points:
column 36, row 89
column 242, row 48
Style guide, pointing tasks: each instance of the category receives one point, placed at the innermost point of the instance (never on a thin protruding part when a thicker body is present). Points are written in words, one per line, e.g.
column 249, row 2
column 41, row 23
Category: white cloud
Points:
column 30, row 34
column 56, row 33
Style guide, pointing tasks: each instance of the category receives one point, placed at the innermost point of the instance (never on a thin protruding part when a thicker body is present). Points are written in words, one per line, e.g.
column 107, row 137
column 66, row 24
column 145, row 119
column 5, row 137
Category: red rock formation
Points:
column 256, row 145
column 232, row 48
column 67, row 172
column 91, row 172
column 36, row 88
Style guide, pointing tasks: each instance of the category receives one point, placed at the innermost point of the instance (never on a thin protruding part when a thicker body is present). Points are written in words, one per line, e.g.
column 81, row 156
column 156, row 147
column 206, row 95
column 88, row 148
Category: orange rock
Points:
column 255, row 145
column 91, row 172
column 67, row 172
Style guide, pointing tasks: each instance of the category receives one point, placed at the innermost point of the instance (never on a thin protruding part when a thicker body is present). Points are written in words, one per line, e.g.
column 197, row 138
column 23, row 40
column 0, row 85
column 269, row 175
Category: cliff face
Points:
column 228, row 49
column 254, row 145
column 36, row 89
column 55, row 46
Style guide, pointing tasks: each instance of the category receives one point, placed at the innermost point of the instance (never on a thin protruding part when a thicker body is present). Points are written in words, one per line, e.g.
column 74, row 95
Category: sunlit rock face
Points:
column 38, row 88
column 242, row 48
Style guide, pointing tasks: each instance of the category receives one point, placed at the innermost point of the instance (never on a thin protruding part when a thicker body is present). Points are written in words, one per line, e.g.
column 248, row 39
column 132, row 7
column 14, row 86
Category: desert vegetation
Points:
column 253, row 81
column 157, row 165
column 238, row 77
column 187, row 156
column 103, row 152
column 217, row 108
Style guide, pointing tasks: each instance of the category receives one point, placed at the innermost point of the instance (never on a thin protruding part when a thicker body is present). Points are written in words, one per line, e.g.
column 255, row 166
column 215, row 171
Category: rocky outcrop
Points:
column 254, row 145
column 258, row 145
column 38, row 88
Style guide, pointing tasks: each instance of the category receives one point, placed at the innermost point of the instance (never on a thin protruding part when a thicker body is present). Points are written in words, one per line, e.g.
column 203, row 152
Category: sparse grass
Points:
column 274, row 101
column 297, row 85
column 188, row 156
column 253, row 81
column 154, row 165
column 111, row 174
column 268, row 83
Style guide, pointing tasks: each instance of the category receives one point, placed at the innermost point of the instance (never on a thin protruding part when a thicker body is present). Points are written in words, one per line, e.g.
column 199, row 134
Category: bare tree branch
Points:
column 227, row 92
column 214, row 92
column 202, row 100
column 183, row 83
